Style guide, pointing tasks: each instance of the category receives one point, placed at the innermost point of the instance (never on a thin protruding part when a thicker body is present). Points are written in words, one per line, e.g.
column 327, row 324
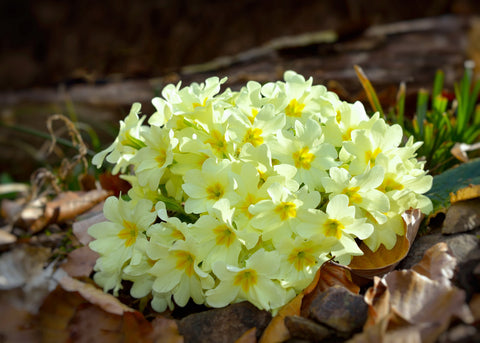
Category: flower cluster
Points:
column 243, row 195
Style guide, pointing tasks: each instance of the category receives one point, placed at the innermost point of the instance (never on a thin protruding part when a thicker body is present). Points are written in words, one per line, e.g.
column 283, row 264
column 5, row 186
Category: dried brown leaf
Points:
column 80, row 262
column 114, row 183
column 166, row 331
column 69, row 205
column 466, row 193
column 96, row 296
column 276, row 331
column 382, row 261
column 417, row 302
column 437, row 264
column 6, row 237
column 80, row 228
column 459, row 150
column 248, row 337
column 67, row 316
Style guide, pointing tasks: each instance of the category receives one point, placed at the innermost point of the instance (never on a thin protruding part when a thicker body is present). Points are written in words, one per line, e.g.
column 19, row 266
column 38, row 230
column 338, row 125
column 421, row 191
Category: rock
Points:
column 223, row 324
column 462, row 246
column 303, row 328
column 339, row 309
column 462, row 216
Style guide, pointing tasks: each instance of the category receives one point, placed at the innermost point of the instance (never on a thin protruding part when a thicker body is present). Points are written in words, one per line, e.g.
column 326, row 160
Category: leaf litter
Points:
column 45, row 300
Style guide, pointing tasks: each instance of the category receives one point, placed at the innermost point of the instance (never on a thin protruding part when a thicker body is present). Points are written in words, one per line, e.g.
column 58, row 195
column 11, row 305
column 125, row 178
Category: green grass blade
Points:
column 422, row 104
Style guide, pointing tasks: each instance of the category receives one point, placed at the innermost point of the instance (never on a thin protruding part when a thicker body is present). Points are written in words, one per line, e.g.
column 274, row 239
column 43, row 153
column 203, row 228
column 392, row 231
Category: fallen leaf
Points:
column 25, row 268
column 418, row 301
column 69, row 205
column 475, row 307
column 80, row 227
column 250, row 336
column 382, row 261
column 80, row 262
column 166, row 331
column 459, row 150
column 94, row 295
column 276, row 331
column 466, row 193
column 67, row 316
column 16, row 323
column 114, row 183
column 6, row 237
column 438, row 264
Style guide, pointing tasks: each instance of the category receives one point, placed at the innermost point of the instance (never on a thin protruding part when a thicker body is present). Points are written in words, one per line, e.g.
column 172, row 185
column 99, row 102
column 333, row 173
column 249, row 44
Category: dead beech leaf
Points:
column 80, row 262
column 67, row 316
column 437, row 264
column 424, row 302
column 382, row 261
column 248, row 336
column 459, row 150
column 80, row 227
column 114, row 183
column 94, row 295
column 466, row 193
column 67, row 205
column 276, row 331
column 166, row 331
column 6, row 237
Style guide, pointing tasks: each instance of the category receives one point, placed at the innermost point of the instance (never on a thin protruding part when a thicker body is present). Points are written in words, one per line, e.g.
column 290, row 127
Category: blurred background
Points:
column 91, row 59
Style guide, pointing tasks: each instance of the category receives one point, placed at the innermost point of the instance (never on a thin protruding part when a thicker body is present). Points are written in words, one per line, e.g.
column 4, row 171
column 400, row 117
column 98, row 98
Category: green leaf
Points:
column 451, row 181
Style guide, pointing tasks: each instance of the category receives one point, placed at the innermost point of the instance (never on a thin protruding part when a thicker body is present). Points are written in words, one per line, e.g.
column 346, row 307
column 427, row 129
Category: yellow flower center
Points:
column 352, row 195
column 286, row 210
column 161, row 157
column 177, row 234
column 370, row 156
column 347, row 136
column 129, row 233
column 224, row 235
column 253, row 136
column 185, row 261
column 215, row 191
column 254, row 115
column 243, row 206
column 217, row 141
column 197, row 104
column 338, row 117
column 294, row 109
column 303, row 158
column 390, row 184
column 246, row 279
column 333, row 228
column 301, row 259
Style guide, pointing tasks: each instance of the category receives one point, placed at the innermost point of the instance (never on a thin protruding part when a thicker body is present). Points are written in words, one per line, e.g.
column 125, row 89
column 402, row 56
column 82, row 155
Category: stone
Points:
column 462, row 216
column 339, row 309
column 224, row 324
column 304, row 328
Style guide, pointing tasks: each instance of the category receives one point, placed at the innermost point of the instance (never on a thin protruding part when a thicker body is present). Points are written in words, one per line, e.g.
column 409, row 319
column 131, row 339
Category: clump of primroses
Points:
column 243, row 195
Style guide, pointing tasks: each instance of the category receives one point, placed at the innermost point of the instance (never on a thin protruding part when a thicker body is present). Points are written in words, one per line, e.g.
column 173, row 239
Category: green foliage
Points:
column 438, row 121
column 451, row 181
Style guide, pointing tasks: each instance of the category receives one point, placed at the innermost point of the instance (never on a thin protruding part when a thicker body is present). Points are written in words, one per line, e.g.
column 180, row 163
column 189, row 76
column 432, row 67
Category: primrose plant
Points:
column 244, row 195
